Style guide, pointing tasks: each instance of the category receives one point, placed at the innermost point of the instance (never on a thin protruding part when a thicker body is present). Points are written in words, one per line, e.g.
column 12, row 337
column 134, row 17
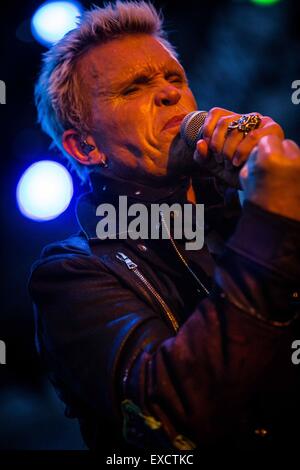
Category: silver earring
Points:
column 104, row 164
column 86, row 147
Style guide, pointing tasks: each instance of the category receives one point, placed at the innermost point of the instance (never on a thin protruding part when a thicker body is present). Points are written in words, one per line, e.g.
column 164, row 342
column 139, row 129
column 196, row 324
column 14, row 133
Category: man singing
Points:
column 147, row 342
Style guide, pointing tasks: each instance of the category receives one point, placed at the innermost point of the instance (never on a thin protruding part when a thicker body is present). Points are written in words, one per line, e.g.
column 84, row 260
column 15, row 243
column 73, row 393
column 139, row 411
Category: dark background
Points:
column 237, row 55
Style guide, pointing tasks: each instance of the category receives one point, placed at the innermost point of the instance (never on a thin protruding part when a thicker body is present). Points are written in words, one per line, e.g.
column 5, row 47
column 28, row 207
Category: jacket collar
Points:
column 108, row 190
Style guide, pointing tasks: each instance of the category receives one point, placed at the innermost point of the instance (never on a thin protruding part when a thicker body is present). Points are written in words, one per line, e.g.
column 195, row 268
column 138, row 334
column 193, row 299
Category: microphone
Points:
column 191, row 131
column 191, row 128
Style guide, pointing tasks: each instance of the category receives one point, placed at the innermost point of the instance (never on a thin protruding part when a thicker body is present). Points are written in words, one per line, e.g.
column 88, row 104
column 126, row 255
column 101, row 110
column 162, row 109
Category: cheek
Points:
column 125, row 125
column 192, row 99
column 133, row 120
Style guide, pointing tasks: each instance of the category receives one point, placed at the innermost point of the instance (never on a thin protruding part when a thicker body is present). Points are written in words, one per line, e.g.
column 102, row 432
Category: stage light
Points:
column 53, row 20
column 265, row 2
column 44, row 190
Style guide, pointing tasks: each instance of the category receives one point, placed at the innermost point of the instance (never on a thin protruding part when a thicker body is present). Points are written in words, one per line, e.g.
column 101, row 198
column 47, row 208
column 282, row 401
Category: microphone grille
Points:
column 191, row 127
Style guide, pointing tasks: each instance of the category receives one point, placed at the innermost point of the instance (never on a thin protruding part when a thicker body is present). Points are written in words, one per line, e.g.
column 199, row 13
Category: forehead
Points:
column 116, row 60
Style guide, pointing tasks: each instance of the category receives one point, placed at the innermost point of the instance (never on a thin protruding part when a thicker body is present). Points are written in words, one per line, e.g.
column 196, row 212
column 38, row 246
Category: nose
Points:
column 167, row 95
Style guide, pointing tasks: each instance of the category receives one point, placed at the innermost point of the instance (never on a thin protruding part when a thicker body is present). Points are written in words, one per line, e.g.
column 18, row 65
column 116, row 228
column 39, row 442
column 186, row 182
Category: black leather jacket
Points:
column 172, row 348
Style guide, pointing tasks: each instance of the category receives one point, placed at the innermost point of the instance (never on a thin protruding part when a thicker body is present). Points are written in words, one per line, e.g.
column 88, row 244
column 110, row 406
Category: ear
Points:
column 72, row 143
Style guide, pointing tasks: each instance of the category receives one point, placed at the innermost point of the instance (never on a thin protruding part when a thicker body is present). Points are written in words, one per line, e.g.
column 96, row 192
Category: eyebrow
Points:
column 142, row 76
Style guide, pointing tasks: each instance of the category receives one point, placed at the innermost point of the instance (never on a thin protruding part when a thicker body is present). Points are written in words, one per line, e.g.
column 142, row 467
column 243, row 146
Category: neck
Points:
column 139, row 191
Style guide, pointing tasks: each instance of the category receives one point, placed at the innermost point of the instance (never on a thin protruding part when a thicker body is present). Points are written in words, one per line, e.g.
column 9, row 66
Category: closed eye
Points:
column 130, row 90
column 175, row 78
column 135, row 85
column 171, row 76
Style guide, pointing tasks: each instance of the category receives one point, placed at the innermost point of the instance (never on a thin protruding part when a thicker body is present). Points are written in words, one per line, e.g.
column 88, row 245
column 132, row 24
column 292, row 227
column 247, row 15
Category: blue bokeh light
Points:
column 44, row 191
column 53, row 20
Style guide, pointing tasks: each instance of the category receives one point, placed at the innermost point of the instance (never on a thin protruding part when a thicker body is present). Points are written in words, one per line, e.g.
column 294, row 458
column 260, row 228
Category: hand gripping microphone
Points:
column 191, row 131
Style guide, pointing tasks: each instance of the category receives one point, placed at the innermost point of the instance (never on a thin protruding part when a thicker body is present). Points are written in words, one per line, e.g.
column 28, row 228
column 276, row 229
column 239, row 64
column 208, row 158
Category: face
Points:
column 138, row 96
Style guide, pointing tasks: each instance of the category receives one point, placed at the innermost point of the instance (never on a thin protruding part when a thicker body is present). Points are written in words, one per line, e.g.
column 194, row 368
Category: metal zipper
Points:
column 182, row 257
column 134, row 268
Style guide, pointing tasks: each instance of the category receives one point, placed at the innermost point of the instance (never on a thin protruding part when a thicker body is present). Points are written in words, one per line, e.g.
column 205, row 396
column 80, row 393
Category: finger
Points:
column 269, row 145
column 211, row 121
column 231, row 144
column 251, row 162
column 233, row 140
column 220, row 135
column 249, row 167
column 291, row 149
column 252, row 139
column 202, row 151
column 243, row 175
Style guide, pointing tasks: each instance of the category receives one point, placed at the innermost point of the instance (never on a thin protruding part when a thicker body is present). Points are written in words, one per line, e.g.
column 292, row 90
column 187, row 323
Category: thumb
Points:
column 201, row 152
column 243, row 175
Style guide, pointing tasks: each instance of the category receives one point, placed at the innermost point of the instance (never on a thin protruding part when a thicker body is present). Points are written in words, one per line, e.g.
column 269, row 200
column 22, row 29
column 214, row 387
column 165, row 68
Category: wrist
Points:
column 283, row 206
column 269, row 239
